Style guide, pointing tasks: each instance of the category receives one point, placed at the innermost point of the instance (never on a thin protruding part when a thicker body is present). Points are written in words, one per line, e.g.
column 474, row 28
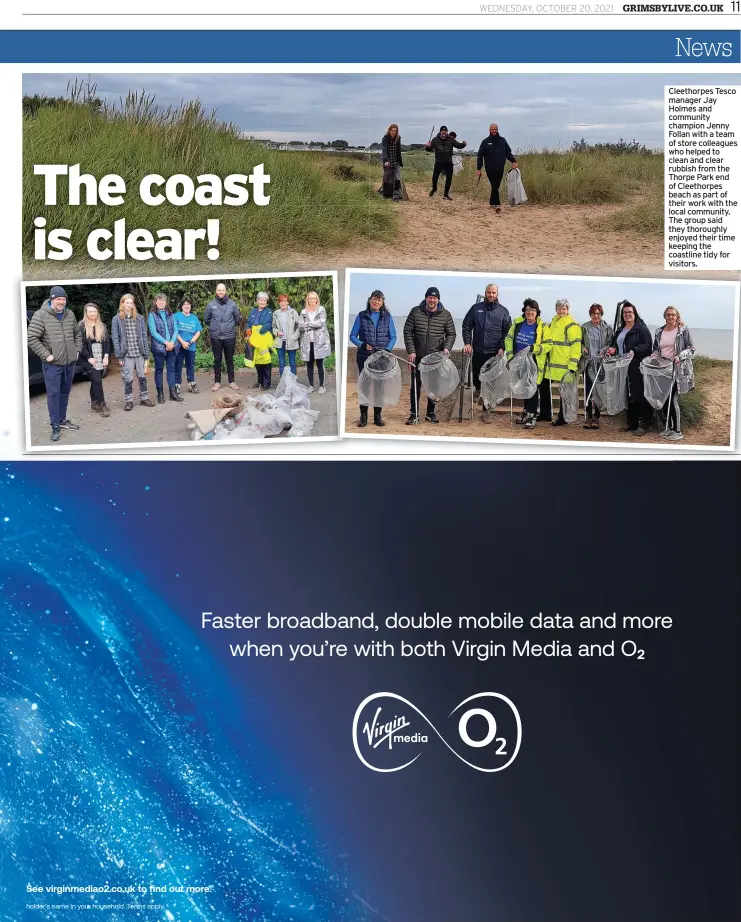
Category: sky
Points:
column 532, row 110
column 701, row 306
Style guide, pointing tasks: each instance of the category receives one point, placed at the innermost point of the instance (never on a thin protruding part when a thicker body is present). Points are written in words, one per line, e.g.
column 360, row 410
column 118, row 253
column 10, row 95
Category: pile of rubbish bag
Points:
column 268, row 415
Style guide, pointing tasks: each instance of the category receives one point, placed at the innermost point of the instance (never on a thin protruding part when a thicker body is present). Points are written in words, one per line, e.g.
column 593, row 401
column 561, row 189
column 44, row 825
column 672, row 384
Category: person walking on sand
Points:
column 428, row 328
column 163, row 328
column 95, row 351
column 189, row 332
column 286, row 333
column 443, row 146
column 260, row 321
column 315, row 341
column 131, row 348
column 53, row 334
column 373, row 331
column 223, row 319
column 392, row 163
column 494, row 152
column 484, row 330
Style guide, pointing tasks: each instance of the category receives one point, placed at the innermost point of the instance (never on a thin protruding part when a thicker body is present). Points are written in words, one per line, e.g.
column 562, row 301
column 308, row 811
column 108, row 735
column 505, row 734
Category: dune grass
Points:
column 310, row 207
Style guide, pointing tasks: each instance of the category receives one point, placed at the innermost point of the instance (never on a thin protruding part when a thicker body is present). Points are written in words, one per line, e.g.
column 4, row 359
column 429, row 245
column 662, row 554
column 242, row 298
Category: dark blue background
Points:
column 623, row 803
column 343, row 46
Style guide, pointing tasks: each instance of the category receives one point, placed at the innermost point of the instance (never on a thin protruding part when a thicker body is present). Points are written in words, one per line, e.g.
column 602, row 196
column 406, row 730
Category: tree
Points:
column 339, row 145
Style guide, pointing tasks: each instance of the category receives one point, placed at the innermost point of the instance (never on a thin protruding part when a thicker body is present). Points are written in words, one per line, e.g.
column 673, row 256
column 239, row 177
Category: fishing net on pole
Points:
column 658, row 377
column 439, row 375
column 494, row 377
column 379, row 383
column 523, row 375
column 612, row 386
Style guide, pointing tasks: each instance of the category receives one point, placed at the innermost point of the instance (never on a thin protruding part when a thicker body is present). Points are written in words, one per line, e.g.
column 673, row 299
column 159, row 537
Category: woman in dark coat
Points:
column 632, row 335
column 392, row 161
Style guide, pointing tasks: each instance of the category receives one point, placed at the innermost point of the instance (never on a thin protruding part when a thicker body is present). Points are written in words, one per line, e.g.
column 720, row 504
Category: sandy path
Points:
column 715, row 429
column 461, row 235
column 466, row 235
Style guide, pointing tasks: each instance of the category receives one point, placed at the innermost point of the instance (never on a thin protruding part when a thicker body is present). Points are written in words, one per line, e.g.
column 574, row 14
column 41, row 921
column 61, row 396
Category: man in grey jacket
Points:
column 54, row 336
column 223, row 319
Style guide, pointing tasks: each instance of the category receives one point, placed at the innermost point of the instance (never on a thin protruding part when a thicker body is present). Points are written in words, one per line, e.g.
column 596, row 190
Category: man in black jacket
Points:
column 443, row 146
column 494, row 152
column 428, row 328
column 484, row 329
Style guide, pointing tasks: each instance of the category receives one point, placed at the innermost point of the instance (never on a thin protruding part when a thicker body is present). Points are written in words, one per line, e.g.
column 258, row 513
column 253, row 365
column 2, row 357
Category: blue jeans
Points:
column 189, row 358
column 160, row 360
column 58, row 380
column 282, row 359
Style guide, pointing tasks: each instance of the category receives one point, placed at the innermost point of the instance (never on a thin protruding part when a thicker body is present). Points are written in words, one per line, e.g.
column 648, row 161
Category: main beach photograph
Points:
column 370, row 170
column 538, row 358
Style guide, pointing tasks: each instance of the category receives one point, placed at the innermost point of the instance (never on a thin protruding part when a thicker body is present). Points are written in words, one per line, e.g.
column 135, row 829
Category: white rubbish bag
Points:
column 494, row 377
column 523, row 375
column 569, row 393
column 439, row 375
column 658, row 377
column 612, row 385
column 379, row 383
column 515, row 189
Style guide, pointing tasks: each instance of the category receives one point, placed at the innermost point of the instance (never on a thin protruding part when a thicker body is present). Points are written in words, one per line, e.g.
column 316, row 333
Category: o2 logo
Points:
column 390, row 733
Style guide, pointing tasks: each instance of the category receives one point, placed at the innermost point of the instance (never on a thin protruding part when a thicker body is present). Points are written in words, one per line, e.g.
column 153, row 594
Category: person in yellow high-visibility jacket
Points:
column 564, row 340
column 262, row 343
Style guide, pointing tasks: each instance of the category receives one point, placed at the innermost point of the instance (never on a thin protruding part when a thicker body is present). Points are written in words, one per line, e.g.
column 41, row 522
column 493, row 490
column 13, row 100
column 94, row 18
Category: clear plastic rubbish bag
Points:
column 494, row 376
column 523, row 375
column 658, row 377
column 569, row 394
column 379, row 383
column 439, row 375
column 267, row 422
column 303, row 423
column 288, row 387
column 612, row 385
column 515, row 189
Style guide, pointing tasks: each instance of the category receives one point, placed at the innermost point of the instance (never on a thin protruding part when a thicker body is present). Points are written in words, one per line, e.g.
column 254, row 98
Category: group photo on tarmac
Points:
column 591, row 360
column 151, row 361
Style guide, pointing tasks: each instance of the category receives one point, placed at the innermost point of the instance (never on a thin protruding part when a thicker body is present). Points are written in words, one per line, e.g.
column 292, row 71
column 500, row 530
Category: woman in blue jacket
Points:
column 372, row 331
column 163, row 328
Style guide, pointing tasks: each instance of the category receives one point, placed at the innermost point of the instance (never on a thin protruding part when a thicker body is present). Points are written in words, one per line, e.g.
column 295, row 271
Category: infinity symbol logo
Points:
column 387, row 728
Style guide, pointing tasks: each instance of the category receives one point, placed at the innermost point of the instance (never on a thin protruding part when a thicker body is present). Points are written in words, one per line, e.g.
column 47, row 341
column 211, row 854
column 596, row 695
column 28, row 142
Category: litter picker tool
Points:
column 465, row 371
column 669, row 402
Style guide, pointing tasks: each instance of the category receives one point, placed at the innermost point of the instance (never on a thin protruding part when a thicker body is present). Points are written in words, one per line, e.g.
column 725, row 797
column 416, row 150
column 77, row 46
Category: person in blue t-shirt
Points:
column 529, row 332
column 189, row 332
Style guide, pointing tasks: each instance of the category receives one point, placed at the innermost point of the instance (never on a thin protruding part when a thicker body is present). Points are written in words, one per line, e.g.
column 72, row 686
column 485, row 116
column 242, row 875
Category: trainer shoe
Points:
column 193, row 387
column 673, row 436
column 310, row 389
column 322, row 390
column 233, row 385
column 448, row 198
column 529, row 422
column 431, row 418
column 68, row 424
column 129, row 405
column 432, row 192
column 485, row 416
column 216, row 386
column 412, row 421
column 639, row 431
column 55, row 433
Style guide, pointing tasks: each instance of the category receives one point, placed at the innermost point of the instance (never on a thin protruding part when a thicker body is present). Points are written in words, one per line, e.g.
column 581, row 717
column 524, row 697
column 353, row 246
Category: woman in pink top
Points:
column 673, row 341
